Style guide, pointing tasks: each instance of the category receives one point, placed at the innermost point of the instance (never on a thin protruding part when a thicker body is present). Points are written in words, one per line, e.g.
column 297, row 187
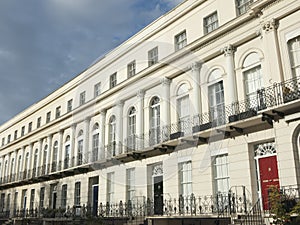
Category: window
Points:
column 180, row 41
column 16, row 135
column 12, row 167
column 183, row 107
column 216, row 98
column 3, row 141
column 45, row 155
column 131, row 69
column 64, row 192
column 185, row 178
column 80, row 147
column 97, row 89
column 242, row 6
column 54, row 157
column 131, row 142
column 110, row 187
column 57, row 112
column 154, row 121
column 32, row 193
column 26, row 175
column 77, row 194
column 19, row 168
column 70, row 105
column 67, row 153
column 42, row 197
column 82, row 98
column 8, row 202
column 220, row 173
column 15, row 202
column 130, row 184
column 294, row 51
column 38, row 122
column 112, row 135
column 153, row 56
column 211, row 22
column 48, row 117
column 35, row 163
column 113, row 80
column 8, row 138
column 22, row 131
column 95, row 146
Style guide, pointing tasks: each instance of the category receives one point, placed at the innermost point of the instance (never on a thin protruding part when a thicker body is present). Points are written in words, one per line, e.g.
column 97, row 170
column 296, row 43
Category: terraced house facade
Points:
column 194, row 117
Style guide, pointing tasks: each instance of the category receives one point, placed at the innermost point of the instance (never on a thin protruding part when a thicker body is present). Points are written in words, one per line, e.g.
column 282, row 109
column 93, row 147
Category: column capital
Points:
column 165, row 81
column 195, row 66
column 120, row 103
column 228, row 50
column 140, row 93
column 270, row 25
column 103, row 112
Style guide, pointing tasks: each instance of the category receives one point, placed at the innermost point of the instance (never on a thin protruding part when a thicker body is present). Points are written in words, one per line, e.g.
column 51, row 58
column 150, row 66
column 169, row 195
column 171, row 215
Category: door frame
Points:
column 93, row 200
column 257, row 158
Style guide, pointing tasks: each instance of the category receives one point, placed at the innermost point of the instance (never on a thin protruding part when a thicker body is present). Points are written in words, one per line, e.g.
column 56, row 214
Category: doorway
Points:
column 54, row 199
column 268, row 172
column 95, row 191
column 158, row 195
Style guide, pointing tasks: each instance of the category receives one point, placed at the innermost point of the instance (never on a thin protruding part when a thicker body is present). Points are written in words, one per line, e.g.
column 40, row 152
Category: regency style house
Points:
column 193, row 118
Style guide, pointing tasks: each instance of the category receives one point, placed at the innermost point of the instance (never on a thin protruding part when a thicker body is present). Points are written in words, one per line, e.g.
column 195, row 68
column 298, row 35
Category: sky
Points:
column 45, row 43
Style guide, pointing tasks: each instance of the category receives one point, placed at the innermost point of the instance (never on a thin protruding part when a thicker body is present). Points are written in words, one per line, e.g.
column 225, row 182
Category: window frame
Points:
column 113, row 80
column 97, row 89
column 180, row 41
column 131, row 69
column 153, row 56
column 70, row 105
column 48, row 117
column 77, row 193
column 217, row 177
column 57, row 112
column 185, row 176
column 209, row 26
column 82, row 98
column 242, row 8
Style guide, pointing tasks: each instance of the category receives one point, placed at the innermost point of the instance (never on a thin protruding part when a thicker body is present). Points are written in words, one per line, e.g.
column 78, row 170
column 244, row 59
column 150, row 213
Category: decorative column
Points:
column 231, row 78
column 86, row 151
column 165, row 112
column 49, row 153
column 140, row 117
column 195, row 72
column 272, row 51
column 102, row 134
column 119, row 128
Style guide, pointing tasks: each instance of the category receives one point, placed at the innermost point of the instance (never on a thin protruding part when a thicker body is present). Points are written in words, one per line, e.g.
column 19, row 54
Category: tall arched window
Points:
column 216, row 97
column 131, row 141
column 154, row 132
column 54, row 157
column 45, row 155
column 12, row 167
column 79, row 147
column 67, row 153
column 294, row 52
column 26, row 167
column 112, row 135
column 95, row 147
column 19, row 168
column 252, row 75
column 35, row 163
column 183, row 107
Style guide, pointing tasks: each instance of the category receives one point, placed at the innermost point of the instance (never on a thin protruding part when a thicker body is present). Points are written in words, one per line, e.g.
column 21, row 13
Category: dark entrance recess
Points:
column 158, row 195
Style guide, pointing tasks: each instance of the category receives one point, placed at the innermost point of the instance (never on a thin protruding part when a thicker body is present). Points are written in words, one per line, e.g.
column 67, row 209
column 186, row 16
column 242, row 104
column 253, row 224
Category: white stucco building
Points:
column 205, row 101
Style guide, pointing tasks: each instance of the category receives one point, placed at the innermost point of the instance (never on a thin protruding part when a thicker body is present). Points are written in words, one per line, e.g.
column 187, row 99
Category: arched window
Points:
column 183, row 107
column 131, row 141
column 294, row 52
column 252, row 75
column 67, row 153
column 80, row 147
column 35, row 163
column 95, row 147
column 112, row 135
column 5, row 171
column 216, row 97
column 54, row 157
column 19, row 168
column 12, row 167
column 26, row 167
column 154, row 132
column 45, row 155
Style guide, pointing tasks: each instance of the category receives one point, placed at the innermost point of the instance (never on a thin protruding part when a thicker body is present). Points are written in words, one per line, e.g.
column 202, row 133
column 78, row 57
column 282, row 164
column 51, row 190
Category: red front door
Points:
column 268, row 171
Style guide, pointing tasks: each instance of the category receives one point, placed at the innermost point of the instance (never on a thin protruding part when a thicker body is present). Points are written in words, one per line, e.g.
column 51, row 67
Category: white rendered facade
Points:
column 166, row 108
